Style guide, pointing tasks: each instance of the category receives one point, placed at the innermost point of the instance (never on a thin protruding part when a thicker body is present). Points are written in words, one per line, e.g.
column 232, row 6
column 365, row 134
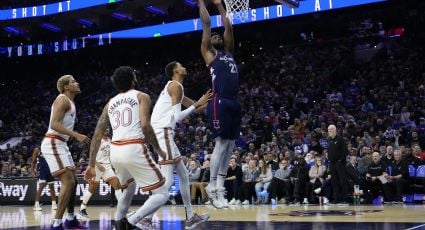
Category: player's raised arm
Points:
column 228, row 29
column 102, row 125
column 206, row 47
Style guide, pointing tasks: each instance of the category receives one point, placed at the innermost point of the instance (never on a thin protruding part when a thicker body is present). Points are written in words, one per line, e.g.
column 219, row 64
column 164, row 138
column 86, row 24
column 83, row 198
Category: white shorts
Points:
column 166, row 142
column 107, row 174
column 132, row 161
column 57, row 155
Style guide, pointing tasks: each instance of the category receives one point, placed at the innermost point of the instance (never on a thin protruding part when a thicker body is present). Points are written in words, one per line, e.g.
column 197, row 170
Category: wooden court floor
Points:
column 242, row 217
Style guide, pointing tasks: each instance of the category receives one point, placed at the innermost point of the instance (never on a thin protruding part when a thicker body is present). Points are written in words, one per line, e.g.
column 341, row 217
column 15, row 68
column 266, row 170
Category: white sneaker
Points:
column 232, row 202
column 221, row 192
column 325, row 201
column 37, row 208
column 237, row 202
column 145, row 224
column 305, row 201
column 207, row 202
column 213, row 196
column 245, row 202
column 317, row 190
column 54, row 206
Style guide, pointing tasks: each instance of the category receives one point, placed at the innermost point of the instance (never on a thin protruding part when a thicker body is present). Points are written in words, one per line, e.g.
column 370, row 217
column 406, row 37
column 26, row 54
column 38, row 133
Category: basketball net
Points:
column 237, row 9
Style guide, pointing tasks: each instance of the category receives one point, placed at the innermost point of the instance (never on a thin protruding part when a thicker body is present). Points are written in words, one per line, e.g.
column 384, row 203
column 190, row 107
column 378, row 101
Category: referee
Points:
column 337, row 155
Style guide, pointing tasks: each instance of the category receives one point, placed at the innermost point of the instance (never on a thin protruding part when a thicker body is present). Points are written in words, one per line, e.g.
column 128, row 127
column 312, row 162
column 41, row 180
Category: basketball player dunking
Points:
column 128, row 113
column 56, row 152
column 166, row 113
column 224, row 110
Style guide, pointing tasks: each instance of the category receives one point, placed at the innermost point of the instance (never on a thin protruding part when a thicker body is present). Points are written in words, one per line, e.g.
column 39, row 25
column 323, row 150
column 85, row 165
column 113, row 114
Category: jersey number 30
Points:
column 121, row 118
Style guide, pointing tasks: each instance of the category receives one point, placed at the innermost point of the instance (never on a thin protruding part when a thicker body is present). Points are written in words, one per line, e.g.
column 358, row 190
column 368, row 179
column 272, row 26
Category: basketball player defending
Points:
column 56, row 152
column 166, row 113
column 224, row 110
column 38, row 163
column 128, row 113
column 103, row 171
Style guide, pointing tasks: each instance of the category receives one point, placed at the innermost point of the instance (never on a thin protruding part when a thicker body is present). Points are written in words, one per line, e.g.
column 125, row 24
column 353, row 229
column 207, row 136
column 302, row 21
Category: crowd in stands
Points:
column 289, row 96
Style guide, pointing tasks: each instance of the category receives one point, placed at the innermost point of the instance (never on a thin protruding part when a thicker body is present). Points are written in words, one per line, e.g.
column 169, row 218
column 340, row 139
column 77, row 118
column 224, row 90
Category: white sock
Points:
column 57, row 222
column 189, row 211
column 184, row 188
column 153, row 203
column 220, row 181
column 53, row 202
column 70, row 216
column 86, row 199
column 37, row 203
column 216, row 158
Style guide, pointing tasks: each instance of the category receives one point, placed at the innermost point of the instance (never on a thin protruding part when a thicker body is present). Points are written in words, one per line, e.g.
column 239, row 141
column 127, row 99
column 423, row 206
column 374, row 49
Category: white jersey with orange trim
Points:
column 68, row 120
column 103, row 155
column 162, row 115
column 123, row 111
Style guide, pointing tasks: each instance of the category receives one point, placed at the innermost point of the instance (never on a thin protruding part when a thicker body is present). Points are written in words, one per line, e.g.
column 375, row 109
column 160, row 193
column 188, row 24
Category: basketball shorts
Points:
column 57, row 155
column 224, row 117
column 106, row 173
column 132, row 161
column 165, row 138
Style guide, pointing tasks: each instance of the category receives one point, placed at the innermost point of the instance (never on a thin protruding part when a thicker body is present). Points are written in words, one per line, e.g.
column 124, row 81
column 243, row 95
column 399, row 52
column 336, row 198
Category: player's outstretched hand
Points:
column 90, row 174
column 204, row 99
column 83, row 139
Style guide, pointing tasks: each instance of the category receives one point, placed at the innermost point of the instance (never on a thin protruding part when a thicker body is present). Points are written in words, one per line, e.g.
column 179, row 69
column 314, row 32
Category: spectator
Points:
column 262, row 182
column 398, row 178
column 317, row 175
column 354, row 175
column 194, row 171
column 299, row 179
column 233, row 181
column 376, row 170
column 280, row 184
column 203, row 182
column 250, row 175
column 388, row 157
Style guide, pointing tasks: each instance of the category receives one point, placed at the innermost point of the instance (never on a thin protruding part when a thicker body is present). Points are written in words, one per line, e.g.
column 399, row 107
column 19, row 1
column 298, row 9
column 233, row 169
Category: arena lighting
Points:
column 155, row 10
column 190, row 3
column 191, row 25
column 12, row 30
column 48, row 9
column 85, row 22
column 289, row 3
column 50, row 27
column 121, row 17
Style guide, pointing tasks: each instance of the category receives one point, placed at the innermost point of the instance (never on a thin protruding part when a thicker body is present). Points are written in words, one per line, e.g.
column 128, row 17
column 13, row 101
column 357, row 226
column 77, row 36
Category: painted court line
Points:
column 422, row 225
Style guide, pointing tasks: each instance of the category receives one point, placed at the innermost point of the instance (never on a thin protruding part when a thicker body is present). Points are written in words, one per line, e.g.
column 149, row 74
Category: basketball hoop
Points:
column 237, row 9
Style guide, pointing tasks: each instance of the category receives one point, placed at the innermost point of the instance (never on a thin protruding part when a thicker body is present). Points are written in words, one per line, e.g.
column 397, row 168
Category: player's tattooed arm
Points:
column 102, row 125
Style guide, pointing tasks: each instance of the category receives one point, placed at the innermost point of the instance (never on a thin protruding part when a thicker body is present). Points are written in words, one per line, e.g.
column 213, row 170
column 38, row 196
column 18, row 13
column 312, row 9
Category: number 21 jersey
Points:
column 224, row 74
